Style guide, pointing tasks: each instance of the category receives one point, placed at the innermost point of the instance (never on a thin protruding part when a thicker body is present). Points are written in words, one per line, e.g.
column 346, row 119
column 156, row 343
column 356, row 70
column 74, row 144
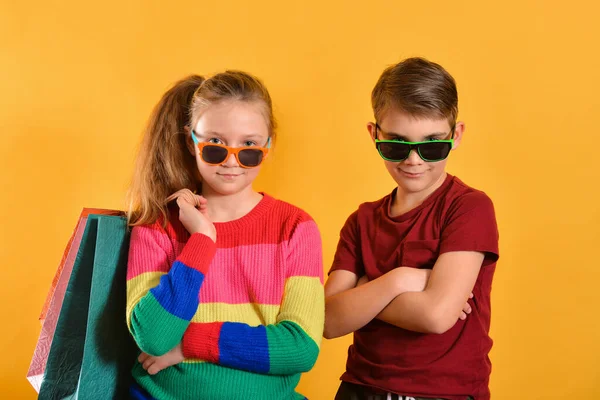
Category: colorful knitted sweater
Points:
column 248, row 310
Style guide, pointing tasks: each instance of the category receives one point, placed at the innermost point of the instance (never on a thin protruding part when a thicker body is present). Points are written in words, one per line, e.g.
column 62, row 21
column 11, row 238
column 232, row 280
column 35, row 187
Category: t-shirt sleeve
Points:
column 348, row 254
column 471, row 226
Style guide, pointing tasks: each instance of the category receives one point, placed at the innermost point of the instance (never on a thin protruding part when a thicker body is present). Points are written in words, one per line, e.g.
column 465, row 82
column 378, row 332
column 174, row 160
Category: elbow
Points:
column 151, row 347
column 439, row 321
column 438, row 328
column 151, row 344
column 307, row 364
column 329, row 334
column 331, row 329
column 304, row 358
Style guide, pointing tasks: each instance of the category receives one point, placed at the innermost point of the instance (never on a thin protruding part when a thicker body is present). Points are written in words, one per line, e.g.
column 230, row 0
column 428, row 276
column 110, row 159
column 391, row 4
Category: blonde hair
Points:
column 419, row 87
column 164, row 164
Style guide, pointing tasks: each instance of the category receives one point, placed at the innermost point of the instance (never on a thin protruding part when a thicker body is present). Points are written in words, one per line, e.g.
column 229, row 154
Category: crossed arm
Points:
column 413, row 299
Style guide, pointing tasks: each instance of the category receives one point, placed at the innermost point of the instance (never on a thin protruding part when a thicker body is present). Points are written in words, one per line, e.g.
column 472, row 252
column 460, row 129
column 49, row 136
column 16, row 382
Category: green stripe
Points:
column 291, row 349
column 155, row 330
column 213, row 382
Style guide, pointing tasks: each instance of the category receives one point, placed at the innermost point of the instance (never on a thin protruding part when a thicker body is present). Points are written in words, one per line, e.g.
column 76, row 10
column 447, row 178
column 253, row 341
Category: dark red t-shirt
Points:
column 452, row 365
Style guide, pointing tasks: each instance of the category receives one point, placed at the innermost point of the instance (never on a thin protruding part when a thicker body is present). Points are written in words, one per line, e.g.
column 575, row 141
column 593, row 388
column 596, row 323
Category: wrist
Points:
column 201, row 341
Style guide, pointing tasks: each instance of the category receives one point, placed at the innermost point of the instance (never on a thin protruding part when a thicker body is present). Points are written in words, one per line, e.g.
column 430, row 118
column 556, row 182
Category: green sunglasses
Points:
column 429, row 151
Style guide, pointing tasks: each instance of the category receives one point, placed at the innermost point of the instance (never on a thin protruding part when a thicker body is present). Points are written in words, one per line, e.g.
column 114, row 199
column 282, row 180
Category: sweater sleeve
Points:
column 289, row 346
column 163, row 297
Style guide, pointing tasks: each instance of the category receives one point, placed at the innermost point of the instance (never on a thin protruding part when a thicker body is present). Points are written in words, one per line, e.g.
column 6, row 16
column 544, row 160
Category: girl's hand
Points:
column 193, row 213
column 153, row 365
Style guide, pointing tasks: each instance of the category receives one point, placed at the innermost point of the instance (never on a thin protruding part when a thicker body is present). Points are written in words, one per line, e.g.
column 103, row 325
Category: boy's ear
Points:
column 459, row 130
column 372, row 130
column 188, row 141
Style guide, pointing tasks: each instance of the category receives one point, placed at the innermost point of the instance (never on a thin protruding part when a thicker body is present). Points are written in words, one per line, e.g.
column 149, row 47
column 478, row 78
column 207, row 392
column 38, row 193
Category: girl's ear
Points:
column 188, row 141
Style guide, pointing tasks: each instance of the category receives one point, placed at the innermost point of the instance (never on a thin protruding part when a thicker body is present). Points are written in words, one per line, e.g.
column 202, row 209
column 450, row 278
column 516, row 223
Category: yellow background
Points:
column 78, row 80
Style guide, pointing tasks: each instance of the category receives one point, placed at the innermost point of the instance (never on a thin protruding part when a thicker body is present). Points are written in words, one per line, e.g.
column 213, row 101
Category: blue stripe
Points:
column 178, row 290
column 244, row 347
column 137, row 393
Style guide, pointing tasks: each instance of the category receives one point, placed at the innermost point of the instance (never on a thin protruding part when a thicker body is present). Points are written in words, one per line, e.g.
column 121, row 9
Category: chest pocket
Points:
column 420, row 253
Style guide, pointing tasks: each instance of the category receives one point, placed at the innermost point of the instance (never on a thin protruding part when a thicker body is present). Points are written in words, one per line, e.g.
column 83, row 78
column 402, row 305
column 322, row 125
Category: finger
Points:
column 463, row 316
column 185, row 196
column 201, row 200
column 180, row 193
column 148, row 363
column 155, row 369
column 143, row 357
column 467, row 309
column 471, row 296
column 190, row 197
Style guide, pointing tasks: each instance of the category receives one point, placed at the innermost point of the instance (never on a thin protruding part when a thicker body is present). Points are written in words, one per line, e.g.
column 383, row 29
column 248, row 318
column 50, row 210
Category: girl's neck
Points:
column 226, row 208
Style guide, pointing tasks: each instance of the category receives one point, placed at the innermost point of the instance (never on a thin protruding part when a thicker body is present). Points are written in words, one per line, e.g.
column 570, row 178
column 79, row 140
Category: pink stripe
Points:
column 305, row 249
column 246, row 274
column 237, row 275
column 150, row 250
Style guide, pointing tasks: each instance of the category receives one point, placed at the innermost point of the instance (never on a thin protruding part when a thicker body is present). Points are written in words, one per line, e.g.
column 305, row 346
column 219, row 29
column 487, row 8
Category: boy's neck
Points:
column 226, row 208
column 405, row 202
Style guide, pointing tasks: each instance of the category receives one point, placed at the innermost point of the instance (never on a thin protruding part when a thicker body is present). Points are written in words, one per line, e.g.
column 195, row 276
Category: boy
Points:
column 406, row 264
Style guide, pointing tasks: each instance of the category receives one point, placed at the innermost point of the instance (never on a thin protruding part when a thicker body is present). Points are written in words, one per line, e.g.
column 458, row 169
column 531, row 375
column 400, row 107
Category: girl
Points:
column 224, row 289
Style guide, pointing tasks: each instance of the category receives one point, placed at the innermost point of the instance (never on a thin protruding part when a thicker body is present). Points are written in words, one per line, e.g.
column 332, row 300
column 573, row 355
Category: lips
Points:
column 411, row 174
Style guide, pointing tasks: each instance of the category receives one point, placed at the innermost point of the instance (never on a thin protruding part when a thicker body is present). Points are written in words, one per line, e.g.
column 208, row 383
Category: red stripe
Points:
column 201, row 341
column 276, row 223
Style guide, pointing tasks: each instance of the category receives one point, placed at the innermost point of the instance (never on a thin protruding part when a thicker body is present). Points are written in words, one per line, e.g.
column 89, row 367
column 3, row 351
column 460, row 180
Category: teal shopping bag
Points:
column 92, row 352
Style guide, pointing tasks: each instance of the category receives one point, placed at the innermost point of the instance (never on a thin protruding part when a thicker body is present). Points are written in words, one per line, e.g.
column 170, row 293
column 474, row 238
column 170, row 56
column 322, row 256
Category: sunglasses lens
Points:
column 393, row 151
column 214, row 154
column 434, row 151
column 250, row 157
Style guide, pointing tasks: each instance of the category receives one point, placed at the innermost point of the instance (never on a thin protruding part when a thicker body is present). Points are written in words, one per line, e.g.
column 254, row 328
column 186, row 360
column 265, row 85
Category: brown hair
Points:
column 419, row 87
column 164, row 164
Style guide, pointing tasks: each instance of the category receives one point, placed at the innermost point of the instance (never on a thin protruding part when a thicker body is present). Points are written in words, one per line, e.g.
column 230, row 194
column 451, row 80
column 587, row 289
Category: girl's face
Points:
column 235, row 124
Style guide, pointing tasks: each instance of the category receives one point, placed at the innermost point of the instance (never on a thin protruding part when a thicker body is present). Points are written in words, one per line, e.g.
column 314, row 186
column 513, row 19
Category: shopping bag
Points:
column 51, row 309
column 92, row 353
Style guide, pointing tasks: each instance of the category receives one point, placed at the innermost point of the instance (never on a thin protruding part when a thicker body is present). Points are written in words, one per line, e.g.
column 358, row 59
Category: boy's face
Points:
column 413, row 175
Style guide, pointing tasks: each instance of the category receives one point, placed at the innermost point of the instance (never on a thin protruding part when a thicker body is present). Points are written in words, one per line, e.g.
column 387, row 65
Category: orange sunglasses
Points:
column 217, row 154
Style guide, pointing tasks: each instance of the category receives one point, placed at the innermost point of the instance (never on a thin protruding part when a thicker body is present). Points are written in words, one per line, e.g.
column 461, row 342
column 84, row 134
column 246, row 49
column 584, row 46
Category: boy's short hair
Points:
column 418, row 87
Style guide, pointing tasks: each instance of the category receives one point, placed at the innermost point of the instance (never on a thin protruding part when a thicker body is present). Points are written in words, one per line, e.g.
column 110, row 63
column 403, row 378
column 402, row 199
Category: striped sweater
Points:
column 248, row 310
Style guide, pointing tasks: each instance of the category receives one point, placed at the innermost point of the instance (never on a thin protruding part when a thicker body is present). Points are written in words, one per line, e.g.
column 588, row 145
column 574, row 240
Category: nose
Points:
column 231, row 162
column 413, row 158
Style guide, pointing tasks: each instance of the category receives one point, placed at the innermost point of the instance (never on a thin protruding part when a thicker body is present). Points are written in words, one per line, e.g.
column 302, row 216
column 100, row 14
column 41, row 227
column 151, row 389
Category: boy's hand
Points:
column 466, row 309
column 153, row 365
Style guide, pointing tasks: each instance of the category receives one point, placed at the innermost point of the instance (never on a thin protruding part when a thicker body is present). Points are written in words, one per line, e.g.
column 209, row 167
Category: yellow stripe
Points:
column 248, row 313
column 304, row 303
column 193, row 361
column 138, row 287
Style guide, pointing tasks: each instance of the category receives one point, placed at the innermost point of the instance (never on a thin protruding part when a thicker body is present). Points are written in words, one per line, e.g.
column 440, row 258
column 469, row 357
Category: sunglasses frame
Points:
column 412, row 146
column 232, row 150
